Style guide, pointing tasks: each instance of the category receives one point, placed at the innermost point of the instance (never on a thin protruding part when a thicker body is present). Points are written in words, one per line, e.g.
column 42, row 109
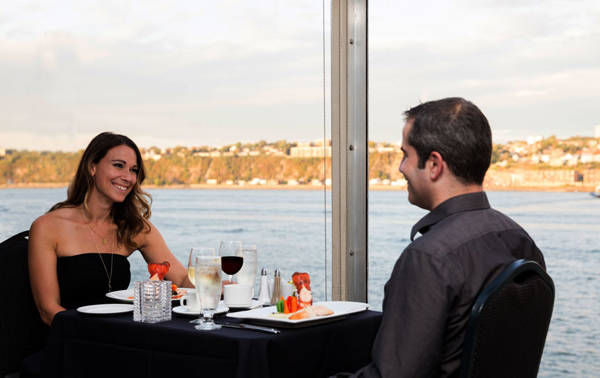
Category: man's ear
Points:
column 436, row 165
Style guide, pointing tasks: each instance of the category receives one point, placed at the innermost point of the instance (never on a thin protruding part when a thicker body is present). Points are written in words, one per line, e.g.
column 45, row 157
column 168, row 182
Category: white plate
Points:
column 127, row 294
column 253, row 304
column 265, row 314
column 185, row 311
column 109, row 308
column 121, row 295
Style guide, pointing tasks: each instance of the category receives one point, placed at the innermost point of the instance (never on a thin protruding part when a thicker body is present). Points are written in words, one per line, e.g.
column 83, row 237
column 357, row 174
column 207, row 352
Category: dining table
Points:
column 84, row 345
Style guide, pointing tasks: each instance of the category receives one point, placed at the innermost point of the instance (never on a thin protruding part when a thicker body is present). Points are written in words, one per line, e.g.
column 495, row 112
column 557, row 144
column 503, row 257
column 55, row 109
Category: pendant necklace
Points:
column 97, row 234
column 108, row 275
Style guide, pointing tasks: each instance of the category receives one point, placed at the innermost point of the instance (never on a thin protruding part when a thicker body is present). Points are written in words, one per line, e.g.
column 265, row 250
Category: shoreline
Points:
column 562, row 188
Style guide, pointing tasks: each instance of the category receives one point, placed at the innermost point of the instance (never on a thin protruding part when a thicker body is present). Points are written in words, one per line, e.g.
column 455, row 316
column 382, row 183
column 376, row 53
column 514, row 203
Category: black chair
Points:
column 509, row 321
column 22, row 332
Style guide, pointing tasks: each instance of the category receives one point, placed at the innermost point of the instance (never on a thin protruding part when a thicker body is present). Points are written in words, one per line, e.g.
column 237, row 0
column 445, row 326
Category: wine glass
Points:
column 191, row 269
column 208, row 286
column 190, row 266
column 231, row 257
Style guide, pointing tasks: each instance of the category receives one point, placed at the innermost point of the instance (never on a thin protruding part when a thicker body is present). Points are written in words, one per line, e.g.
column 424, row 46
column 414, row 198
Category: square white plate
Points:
column 264, row 315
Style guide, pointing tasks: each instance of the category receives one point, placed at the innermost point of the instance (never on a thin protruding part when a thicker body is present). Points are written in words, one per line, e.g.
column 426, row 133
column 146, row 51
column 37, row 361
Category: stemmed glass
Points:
column 208, row 286
column 191, row 266
column 191, row 270
column 231, row 257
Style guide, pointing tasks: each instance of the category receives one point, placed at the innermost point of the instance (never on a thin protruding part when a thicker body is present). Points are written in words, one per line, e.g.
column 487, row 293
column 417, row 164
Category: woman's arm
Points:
column 154, row 249
column 42, row 268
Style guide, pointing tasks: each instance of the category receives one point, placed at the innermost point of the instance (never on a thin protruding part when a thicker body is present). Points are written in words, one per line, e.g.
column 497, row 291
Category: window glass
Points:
column 226, row 100
column 531, row 67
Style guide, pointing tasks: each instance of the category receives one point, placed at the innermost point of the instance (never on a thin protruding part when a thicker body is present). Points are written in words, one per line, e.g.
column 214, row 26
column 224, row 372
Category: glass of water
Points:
column 208, row 286
column 194, row 251
column 247, row 275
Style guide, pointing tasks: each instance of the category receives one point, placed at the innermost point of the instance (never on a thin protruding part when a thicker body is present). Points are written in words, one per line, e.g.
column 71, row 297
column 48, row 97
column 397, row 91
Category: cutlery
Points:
column 251, row 327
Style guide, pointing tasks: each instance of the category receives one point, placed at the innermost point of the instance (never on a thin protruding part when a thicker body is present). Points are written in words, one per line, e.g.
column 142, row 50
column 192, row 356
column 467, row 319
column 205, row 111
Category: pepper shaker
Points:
column 264, row 297
column 276, row 287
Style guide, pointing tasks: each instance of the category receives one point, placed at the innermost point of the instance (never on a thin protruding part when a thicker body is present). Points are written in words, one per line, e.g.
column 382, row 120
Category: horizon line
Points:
column 284, row 140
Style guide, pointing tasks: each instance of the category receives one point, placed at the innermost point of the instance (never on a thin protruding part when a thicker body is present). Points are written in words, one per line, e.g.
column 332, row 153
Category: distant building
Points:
column 597, row 133
column 2, row 151
column 533, row 139
column 309, row 152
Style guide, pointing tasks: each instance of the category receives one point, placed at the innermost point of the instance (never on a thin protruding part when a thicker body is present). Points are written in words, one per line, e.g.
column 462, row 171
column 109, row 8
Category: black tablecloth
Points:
column 109, row 346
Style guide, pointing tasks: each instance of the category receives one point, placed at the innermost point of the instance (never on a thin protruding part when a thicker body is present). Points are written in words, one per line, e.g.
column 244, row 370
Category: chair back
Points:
column 22, row 332
column 509, row 321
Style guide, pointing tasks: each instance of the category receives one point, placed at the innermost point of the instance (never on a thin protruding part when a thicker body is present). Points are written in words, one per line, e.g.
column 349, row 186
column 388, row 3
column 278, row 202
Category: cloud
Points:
column 208, row 72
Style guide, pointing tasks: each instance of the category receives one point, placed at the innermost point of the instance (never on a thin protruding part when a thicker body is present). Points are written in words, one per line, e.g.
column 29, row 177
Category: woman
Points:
column 78, row 250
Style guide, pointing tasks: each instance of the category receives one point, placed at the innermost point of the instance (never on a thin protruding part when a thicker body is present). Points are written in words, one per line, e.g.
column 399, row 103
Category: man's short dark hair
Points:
column 458, row 130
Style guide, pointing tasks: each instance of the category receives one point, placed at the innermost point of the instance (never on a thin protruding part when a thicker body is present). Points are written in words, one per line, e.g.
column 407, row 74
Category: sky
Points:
column 198, row 73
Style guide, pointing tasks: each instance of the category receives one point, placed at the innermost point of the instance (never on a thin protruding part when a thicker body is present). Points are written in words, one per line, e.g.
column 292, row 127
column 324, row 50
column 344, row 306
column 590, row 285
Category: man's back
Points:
column 435, row 282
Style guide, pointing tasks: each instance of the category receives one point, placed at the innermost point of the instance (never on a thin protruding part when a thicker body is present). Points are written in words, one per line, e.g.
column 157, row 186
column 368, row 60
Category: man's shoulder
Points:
column 463, row 227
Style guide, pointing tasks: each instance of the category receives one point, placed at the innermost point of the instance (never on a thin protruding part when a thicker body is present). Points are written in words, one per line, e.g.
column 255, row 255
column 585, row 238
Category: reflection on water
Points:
column 287, row 227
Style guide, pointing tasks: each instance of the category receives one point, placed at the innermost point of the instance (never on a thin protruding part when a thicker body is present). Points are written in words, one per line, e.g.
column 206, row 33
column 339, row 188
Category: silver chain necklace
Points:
column 108, row 275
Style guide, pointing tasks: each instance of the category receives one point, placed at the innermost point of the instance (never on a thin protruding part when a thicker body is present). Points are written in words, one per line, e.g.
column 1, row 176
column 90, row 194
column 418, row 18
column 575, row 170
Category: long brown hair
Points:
column 131, row 216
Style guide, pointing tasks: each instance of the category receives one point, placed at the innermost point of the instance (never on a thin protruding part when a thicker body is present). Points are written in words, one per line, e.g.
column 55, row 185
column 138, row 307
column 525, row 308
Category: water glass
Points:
column 151, row 301
column 197, row 251
column 247, row 275
column 208, row 287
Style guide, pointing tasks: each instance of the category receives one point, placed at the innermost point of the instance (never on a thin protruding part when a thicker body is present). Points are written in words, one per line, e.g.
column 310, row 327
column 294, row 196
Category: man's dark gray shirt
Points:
column 428, row 298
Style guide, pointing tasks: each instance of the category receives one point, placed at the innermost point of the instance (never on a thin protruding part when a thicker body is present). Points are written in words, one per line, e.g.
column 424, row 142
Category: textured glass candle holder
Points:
column 151, row 301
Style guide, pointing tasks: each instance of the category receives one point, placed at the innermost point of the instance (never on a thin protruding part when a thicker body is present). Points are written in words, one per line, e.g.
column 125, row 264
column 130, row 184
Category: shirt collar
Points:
column 463, row 202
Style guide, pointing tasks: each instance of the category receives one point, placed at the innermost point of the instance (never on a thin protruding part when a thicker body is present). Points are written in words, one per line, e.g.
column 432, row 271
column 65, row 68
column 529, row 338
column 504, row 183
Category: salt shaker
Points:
column 276, row 287
column 263, row 293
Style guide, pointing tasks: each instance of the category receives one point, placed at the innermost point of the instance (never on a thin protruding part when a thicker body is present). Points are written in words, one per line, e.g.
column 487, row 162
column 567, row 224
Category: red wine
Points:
column 231, row 264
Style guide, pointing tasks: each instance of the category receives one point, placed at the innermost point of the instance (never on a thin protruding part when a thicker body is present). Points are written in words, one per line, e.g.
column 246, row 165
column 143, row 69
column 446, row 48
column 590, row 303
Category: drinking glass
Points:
column 231, row 257
column 191, row 268
column 247, row 275
column 208, row 286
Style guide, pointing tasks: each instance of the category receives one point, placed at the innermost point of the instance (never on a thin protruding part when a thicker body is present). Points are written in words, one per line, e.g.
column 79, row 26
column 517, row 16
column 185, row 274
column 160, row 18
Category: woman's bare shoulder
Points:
column 56, row 219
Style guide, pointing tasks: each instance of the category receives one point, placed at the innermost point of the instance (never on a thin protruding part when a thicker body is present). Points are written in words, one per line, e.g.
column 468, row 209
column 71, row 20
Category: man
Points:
column 464, row 244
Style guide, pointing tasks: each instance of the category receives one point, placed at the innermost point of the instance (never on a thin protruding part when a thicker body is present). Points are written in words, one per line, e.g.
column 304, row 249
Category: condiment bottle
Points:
column 276, row 288
column 264, row 297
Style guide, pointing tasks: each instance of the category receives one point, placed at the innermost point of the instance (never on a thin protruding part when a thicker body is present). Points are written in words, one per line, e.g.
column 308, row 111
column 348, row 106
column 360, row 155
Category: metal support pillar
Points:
column 350, row 149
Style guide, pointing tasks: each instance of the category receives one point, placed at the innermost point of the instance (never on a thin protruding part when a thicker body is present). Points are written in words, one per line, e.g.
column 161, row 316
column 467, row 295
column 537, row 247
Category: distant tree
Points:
column 548, row 143
column 496, row 153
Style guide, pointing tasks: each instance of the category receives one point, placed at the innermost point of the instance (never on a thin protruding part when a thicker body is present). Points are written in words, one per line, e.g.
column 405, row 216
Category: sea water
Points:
column 292, row 231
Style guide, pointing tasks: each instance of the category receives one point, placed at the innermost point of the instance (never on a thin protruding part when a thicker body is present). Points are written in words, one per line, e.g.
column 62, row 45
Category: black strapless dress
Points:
column 83, row 280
